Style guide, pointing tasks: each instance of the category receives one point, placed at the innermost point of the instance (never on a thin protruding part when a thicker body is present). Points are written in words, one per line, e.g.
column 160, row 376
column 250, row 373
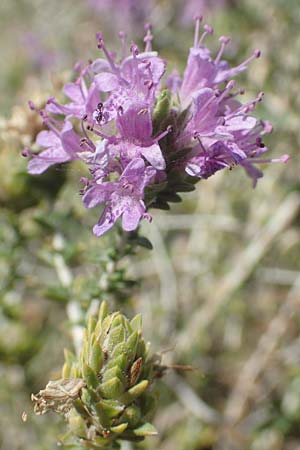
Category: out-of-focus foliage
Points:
column 220, row 288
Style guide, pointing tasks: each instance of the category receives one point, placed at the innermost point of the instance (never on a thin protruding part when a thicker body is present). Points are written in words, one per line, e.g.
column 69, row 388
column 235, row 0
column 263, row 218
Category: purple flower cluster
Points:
column 144, row 141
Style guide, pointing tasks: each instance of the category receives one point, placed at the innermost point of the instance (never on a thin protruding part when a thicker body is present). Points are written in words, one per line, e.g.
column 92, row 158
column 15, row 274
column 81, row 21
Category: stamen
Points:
column 164, row 133
column 283, row 159
column 197, row 137
column 64, row 109
column 50, row 122
column 198, row 20
column 230, row 85
column 111, row 139
column 135, row 51
column 224, row 41
column 148, row 38
column 247, row 106
column 255, row 54
column 110, row 60
column 207, row 30
column 123, row 37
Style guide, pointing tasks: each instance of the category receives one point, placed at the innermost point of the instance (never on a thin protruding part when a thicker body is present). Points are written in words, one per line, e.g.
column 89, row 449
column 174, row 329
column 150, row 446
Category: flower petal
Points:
column 39, row 163
column 154, row 156
column 98, row 194
column 47, row 139
column 132, row 216
column 107, row 82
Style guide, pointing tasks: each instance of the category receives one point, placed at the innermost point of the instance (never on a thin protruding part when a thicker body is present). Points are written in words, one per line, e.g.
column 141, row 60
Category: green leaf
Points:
column 160, row 205
column 92, row 322
column 184, row 187
column 96, row 358
column 120, row 360
column 118, row 429
column 112, row 389
column 102, row 330
column 132, row 343
column 80, row 408
column 115, row 337
column 137, row 323
column 134, row 392
column 103, row 311
column 66, row 370
column 90, row 377
column 145, row 430
column 142, row 241
column 111, row 408
column 114, row 372
column 88, row 397
column 169, row 197
column 131, row 415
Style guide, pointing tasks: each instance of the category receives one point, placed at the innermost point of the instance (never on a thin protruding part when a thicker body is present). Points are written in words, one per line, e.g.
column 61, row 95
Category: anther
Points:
column 31, row 105
column 257, row 53
column 224, row 40
column 25, row 152
column 208, row 29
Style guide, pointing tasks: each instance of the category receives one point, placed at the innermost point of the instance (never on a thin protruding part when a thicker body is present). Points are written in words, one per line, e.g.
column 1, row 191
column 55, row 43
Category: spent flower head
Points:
column 145, row 139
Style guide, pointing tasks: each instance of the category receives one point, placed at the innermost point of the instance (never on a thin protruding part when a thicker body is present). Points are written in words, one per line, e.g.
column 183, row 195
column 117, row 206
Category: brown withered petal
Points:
column 58, row 395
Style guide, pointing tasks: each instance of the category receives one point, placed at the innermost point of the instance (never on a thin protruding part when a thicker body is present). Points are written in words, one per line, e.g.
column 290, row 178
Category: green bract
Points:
column 105, row 394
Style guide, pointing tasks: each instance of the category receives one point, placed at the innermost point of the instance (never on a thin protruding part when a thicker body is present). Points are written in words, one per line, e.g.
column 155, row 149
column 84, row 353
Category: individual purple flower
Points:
column 204, row 71
column 136, row 78
column 135, row 128
column 61, row 142
column 84, row 99
column 122, row 198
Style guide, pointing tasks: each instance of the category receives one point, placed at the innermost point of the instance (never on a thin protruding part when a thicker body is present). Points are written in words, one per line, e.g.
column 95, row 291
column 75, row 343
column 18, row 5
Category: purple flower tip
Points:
column 31, row 105
column 198, row 17
column 224, row 40
column 208, row 29
column 257, row 53
column 25, row 152
column 285, row 158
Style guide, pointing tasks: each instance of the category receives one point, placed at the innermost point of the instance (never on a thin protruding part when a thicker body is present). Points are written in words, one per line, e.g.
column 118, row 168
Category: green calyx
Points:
column 115, row 373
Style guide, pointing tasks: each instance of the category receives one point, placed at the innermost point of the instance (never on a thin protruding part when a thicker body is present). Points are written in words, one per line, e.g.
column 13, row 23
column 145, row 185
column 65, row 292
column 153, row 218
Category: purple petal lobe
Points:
column 107, row 82
column 131, row 217
column 154, row 156
column 98, row 194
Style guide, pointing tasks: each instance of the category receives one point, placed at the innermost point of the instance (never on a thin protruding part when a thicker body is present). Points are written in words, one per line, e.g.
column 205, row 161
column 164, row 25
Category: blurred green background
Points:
column 220, row 289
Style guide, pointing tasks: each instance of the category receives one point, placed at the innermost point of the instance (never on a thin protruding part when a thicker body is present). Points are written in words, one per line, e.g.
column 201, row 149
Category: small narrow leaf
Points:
column 118, row 429
column 146, row 430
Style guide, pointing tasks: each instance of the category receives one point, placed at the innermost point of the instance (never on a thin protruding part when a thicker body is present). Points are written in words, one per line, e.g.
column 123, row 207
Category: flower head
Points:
column 143, row 145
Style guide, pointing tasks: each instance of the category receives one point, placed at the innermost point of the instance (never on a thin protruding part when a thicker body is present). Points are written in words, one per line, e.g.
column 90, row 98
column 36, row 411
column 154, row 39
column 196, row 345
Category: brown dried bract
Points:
column 58, row 396
column 135, row 371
